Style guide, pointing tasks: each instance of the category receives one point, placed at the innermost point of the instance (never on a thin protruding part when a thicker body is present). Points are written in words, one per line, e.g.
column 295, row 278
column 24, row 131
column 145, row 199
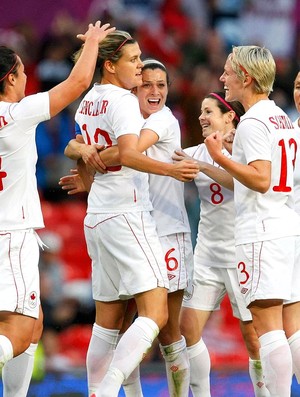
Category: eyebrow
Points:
column 154, row 81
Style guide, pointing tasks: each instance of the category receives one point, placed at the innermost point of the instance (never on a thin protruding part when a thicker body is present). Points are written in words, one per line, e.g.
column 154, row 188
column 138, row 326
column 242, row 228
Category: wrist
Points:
column 167, row 170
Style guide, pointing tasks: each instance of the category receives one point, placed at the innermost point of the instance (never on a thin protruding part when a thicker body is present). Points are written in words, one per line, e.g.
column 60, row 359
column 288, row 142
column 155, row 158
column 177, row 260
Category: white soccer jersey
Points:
column 103, row 117
column 215, row 239
column 18, row 156
column 297, row 170
column 166, row 193
column 265, row 132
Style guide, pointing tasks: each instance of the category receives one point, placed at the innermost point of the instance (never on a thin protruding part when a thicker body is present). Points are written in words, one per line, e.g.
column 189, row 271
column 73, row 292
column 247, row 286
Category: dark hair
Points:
column 150, row 63
column 225, row 106
column 8, row 64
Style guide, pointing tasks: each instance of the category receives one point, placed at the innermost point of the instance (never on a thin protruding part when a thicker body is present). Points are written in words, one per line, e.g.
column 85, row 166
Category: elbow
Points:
column 85, row 85
column 82, row 86
column 79, row 85
column 124, row 159
column 68, row 153
column 262, row 191
column 263, row 187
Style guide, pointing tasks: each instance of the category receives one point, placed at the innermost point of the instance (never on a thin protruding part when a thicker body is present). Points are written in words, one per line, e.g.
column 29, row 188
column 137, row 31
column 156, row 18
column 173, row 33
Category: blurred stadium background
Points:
column 193, row 38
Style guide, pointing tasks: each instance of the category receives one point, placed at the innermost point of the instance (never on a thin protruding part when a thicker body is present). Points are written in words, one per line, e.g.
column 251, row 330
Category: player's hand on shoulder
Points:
column 228, row 138
column 185, row 170
column 180, row 155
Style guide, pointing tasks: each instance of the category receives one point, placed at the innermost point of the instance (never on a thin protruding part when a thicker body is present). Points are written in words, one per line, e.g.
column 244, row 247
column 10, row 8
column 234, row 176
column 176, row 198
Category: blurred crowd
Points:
column 193, row 38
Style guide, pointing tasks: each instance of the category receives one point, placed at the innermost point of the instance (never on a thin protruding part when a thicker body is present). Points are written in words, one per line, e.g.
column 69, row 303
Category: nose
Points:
column 140, row 63
column 154, row 89
column 221, row 78
column 201, row 117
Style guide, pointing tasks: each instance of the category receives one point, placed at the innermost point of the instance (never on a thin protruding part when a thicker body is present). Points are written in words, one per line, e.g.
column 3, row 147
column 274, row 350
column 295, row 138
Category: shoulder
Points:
column 196, row 151
column 111, row 92
column 163, row 114
column 161, row 119
column 30, row 106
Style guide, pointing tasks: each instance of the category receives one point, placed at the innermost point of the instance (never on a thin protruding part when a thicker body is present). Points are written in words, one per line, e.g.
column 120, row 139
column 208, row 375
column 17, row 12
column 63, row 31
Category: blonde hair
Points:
column 258, row 63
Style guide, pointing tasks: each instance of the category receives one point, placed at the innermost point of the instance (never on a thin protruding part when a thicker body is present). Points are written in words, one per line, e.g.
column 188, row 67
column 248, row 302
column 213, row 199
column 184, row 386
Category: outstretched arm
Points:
column 131, row 157
column 82, row 73
column 220, row 176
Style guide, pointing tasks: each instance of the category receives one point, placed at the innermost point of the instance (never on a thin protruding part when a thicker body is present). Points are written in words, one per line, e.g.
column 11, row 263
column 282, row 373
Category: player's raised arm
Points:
column 82, row 73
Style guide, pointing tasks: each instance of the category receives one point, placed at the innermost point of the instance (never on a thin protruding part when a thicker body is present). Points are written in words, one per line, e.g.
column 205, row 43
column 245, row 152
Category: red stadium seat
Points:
column 74, row 342
column 66, row 219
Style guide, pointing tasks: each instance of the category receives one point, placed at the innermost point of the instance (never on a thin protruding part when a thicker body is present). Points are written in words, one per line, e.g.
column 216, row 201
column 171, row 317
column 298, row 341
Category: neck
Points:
column 7, row 98
column 111, row 80
column 249, row 102
column 9, row 95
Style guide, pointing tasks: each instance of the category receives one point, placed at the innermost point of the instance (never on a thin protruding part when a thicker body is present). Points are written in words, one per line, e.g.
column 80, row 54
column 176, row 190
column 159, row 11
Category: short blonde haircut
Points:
column 258, row 62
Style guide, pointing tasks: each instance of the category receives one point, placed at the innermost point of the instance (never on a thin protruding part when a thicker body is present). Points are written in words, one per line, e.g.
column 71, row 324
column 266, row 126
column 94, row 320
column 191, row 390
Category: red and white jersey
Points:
column 297, row 170
column 19, row 197
column 265, row 132
column 215, row 239
column 106, row 113
column 166, row 193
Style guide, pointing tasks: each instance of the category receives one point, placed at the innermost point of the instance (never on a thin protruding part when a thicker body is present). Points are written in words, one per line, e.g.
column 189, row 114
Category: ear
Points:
column 11, row 78
column 247, row 80
column 109, row 66
column 230, row 116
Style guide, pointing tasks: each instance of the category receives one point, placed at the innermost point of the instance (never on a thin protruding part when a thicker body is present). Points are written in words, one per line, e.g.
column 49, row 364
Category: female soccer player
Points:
column 121, row 236
column 21, row 211
column 214, row 256
column 266, row 224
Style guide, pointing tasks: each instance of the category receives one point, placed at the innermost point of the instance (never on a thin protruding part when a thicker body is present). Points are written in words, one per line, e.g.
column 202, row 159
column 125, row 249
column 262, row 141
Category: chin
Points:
column 227, row 96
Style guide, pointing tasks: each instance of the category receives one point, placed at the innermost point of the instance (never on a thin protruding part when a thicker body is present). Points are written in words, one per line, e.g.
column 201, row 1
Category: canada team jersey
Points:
column 166, row 193
column 18, row 157
column 297, row 169
column 103, row 117
column 265, row 132
column 215, row 244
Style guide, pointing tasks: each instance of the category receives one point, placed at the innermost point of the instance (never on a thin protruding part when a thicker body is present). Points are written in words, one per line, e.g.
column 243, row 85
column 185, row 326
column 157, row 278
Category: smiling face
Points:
column 152, row 94
column 128, row 69
column 212, row 119
column 232, row 85
column 297, row 92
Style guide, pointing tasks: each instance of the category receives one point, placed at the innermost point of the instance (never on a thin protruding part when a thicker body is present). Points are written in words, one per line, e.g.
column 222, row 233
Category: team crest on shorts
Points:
column 171, row 276
column 32, row 299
